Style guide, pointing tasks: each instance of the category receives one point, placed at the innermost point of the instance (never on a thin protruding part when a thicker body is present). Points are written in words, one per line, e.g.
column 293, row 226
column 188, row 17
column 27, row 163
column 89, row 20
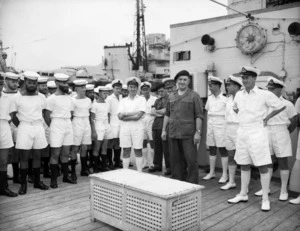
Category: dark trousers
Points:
column 160, row 148
column 184, row 164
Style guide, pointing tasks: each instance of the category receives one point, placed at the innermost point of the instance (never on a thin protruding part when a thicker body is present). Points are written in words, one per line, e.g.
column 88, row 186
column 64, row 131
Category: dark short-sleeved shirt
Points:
column 158, row 105
column 182, row 111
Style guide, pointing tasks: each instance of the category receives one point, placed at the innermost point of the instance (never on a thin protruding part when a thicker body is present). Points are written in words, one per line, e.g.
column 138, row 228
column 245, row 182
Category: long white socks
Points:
column 245, row 180
column 126, row 162
column 284, row 175
column 232, row 170
column 265, row 184
column 212, row 164
column 224, row 161
column 139, row 163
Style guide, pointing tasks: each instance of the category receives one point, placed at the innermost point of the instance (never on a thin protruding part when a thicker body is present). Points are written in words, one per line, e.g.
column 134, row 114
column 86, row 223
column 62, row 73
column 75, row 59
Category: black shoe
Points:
column 73, row 176
column 84, row 173
column 168, row 172
column 69, row 180
column 154, row 169
column 23, row 189
column 7, row 192
column 111, row 166
column 40, row 185
column 30, row 179
column 120, row 165
column 47, row 175
column 53, row 184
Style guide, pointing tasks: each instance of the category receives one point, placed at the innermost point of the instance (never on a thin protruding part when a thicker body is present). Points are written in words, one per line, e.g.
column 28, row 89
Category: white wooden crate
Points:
column 130, row 200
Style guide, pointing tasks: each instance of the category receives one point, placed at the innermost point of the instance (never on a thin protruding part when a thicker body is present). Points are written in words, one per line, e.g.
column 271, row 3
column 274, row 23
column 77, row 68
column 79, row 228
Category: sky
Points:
column 48, row 34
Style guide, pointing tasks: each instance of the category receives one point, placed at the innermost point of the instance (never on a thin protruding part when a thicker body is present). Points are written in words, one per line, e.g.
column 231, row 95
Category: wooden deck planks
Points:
column 68, row 208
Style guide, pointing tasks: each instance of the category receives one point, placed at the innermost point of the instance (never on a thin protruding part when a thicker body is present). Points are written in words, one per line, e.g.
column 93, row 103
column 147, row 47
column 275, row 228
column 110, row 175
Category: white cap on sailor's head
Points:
column 124, row 87
column 61, row 77
column 105, row 88
column 117, row 82
column 133, row 80
column 214, row 80
column 108, row 86
column 145, row 84
column 275, row 83
column 51, row 84
column 31, row 75
column 90, row 87
column 247, row 70
column 237, row 80
column 42, row 80
column 80, row 82
column 11, row 75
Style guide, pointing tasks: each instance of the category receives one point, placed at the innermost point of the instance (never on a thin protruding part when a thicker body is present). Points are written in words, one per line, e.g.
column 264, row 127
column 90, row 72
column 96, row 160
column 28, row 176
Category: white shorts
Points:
column 148, row 122
column 216, row 130
column 252, row 145
column 47, row 132
column 114, row 132
column 131, row 136
column 231, row 136
column 102, row 130
column 6, row 140
column 31, row 135
column 280, row 141
column 82, row 131
column 61, row 132
column 14, row 131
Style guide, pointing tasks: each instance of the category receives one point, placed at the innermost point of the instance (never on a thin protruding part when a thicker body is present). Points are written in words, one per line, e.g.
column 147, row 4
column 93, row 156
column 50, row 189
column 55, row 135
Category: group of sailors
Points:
column 248, row 127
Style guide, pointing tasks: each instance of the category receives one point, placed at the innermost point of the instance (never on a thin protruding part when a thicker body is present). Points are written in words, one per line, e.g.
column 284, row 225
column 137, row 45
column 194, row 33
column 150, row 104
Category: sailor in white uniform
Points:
column 81, row 127
column 216, row 128
column 234, row 84
column 58, row 115
column 6, row 140
column 29, row 106
column 279, row 136
column 131, row 110
column 252, row 105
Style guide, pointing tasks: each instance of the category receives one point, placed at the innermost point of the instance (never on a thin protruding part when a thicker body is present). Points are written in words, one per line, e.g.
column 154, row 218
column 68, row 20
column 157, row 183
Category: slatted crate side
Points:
column 186, row 212
column 107, row 200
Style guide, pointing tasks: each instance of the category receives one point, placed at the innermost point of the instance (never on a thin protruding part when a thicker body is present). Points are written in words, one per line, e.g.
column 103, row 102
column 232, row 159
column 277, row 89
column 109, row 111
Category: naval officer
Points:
column 252, row 105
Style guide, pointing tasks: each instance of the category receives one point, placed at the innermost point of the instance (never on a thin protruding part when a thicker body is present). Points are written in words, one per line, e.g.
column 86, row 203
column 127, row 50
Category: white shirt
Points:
column 101, row 111
column 254, row 106
column 60, row 106
column 149, row 103
column 297, row 105
column 230, row 116
column 82, row 107
column 283, row 117
column 30, row 108
column 138, row 103
column 114, row 102
column 6, row 105
column 216, row 106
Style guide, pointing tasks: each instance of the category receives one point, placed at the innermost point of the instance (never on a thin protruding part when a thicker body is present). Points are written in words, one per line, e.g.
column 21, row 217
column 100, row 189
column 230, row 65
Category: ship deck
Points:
column 68, row 208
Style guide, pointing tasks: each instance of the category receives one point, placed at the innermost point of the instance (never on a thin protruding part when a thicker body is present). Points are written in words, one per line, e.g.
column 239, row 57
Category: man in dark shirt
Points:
column 161, row 147
column 184, row 115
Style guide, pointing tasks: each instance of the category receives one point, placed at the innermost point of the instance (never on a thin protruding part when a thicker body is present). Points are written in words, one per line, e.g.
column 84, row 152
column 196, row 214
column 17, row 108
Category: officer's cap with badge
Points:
column 249, row 71
column 117, row 83
column 274, row 83
column 169, row 82
column 133, row 81
column 214, row 80
column 182, row 73
column 51, row 85
column 235, row 80
column 145, row 85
